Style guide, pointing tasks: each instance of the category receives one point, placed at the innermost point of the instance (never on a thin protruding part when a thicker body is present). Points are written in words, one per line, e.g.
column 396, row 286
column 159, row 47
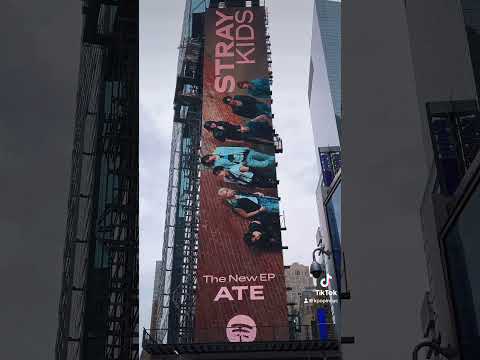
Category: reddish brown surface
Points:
column 222, row 250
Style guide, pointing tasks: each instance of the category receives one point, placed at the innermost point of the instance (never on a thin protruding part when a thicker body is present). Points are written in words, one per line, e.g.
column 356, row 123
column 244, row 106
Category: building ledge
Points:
column 311, row 349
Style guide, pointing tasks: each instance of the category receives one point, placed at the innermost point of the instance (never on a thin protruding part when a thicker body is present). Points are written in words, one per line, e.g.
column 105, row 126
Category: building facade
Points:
column 448, row 110
column 324, row 93
column 157, row 300
column 406, row 225
column 328, row 16
column 98, row 310
column 297, row 279
column 325, row 74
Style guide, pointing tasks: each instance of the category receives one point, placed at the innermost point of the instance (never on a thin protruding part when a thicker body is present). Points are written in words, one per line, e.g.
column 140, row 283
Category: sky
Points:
column 160, row 26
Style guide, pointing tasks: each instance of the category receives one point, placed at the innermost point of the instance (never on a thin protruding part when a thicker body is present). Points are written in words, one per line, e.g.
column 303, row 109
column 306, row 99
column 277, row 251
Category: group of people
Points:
column 255, row 108
column 261, row 211
column 246, row 167
column 256, row 131
column 256, row 103
column 242, row 166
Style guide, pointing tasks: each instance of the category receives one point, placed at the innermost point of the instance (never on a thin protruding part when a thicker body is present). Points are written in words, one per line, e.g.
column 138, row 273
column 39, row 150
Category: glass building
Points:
column 328, row 13
column 324, row 93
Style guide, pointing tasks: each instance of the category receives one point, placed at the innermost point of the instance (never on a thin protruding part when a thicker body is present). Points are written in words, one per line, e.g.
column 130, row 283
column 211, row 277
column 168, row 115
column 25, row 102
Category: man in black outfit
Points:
column 256, row 131
column 247, row 176
column 264, row 232
column 248, row 106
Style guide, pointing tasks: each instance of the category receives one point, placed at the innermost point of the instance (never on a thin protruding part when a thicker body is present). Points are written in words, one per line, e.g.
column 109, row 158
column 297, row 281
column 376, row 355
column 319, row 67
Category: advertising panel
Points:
column 241, row 294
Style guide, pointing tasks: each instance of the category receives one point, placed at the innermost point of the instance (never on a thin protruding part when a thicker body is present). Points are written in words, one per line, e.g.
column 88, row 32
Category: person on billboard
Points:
column 249, row 205
column 248, row 107
column 245, row 176
column 264, row 232
column 255, row 131
column 227, row 156
column 259, row 88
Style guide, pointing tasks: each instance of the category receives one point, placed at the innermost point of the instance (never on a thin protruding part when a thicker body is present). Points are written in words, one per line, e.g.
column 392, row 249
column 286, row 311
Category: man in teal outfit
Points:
column 257, row 87
column 227, row 157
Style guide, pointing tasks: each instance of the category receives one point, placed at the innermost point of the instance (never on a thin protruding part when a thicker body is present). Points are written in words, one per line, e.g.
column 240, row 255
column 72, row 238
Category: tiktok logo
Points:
column 325, row 282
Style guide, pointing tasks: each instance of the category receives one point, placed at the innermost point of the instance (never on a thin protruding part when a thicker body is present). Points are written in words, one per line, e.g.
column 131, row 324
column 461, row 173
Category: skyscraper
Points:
column 324, row 96
column 98, row 310
column 328, row 18
column 297, row 278
column 410, row 150
column 448, row 111
column 180, row 244
column 324, row 93
column 157, row 301
column 324, row 88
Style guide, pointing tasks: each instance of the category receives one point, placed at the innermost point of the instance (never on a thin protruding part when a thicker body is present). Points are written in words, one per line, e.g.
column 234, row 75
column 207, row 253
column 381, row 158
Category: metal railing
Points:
column 246, row 333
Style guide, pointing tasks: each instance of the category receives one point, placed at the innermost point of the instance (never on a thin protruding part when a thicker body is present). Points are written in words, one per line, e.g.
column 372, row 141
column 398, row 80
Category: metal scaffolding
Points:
column 182, row 219
column 98, row 309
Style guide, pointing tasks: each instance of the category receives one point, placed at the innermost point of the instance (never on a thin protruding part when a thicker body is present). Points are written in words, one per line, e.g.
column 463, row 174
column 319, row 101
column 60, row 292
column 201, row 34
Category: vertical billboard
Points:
column 241, row 295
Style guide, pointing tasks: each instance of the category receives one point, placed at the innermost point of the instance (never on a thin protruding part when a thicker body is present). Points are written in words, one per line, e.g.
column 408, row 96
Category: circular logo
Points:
column 241, row 328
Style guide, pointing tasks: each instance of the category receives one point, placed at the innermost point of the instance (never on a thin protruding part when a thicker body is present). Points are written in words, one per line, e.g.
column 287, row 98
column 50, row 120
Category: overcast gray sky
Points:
column 160, row 25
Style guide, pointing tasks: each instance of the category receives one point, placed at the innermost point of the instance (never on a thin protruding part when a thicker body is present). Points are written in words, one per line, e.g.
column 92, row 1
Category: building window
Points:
column 462, row 247
column 455, row 134
column 331, row 162
column 334, row 218
column 310, row 79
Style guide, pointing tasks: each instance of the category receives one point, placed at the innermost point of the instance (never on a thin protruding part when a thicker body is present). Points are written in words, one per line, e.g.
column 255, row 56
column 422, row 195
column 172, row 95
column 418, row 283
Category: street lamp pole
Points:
column 321, row 250
column 447, row 352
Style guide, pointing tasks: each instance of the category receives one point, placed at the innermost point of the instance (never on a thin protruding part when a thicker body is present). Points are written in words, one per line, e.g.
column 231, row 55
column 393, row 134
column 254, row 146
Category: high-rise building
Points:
column 180, row 244
column 324, row 93
column 98, row 310
column 328, row 19
column 157, row 301
column 225, row 289
column 447, row 89
column 309, row 313
column 324, row 98
column 297, row 279
column 409, row 234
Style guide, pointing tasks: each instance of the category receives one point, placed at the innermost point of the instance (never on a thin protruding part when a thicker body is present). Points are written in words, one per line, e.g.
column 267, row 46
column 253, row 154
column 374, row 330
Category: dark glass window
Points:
column 455, row 134
column 331, row 162
column 334, row 214
column 462, row 244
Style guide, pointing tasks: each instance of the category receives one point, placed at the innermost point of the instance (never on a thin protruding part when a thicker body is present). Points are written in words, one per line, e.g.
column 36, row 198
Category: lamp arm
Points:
column 447, row 352
column 321, row 250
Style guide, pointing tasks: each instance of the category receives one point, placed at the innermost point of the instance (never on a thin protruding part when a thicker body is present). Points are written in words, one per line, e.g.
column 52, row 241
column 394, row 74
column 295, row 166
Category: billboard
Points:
column 241, row 294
